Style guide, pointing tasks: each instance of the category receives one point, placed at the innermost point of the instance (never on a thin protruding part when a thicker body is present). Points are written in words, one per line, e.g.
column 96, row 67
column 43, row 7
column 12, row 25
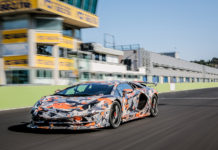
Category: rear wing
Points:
column 146, row 83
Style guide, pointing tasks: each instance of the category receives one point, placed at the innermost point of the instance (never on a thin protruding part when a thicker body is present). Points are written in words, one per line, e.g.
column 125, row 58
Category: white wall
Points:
column 2, row 72
column 112, row 59
column 98, row 66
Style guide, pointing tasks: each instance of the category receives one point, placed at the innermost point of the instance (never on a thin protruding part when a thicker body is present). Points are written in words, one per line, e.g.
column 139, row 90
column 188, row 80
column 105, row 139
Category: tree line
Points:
column 212, row 63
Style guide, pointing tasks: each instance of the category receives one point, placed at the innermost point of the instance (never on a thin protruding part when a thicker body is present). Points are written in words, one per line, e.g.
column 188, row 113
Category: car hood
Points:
column 71, row 103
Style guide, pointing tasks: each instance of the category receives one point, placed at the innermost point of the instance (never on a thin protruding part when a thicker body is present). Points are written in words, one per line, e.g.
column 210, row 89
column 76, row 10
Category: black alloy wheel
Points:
column 154, row 107
column 115, row 115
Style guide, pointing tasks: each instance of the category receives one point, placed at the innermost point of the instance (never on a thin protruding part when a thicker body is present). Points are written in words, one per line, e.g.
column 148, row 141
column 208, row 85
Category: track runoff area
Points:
column 187, row 120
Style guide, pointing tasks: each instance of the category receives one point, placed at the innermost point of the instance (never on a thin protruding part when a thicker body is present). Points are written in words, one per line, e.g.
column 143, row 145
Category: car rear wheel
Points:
column 154, row 107
column 115, row 115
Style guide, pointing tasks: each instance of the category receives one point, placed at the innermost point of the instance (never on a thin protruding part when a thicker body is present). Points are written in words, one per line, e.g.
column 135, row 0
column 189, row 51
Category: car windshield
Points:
column 87, row 90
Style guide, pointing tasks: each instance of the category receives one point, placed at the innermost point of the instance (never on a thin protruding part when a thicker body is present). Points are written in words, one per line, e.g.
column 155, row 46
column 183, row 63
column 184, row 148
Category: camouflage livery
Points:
column 90, row 112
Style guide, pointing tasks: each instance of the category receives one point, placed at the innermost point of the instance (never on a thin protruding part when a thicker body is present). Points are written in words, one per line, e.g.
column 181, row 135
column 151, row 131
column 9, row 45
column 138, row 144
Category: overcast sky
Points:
column 189, row 27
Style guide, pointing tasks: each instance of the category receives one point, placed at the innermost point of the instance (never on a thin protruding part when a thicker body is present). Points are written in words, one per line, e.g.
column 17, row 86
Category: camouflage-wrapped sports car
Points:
column 95, row 105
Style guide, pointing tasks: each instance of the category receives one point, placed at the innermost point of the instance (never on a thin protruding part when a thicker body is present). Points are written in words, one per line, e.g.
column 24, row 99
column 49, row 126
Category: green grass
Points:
column 184, row 86
column 22, row 96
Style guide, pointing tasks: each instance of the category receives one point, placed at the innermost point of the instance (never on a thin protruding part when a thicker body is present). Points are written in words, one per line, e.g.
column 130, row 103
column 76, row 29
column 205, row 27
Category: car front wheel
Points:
column 154, row 107
column 115, row 115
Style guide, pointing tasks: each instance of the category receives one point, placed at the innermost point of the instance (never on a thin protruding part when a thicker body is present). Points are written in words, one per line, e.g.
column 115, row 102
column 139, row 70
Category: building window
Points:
column 65, row 52
column 136, row 77
column 86, row 4
column 187, row 79
column 44, row 49
column 85, row 75
column 155, row 79
column 97, row 56
column 78, row 3
column 61, row 52
column 67, row 31
column 69, row 53
column 181, row 79
column 93, row 6
column 65, row 74
column 100, row 76
column 77, row 34
column 145, row 78
column 17, row 77
column 67, row 1
column 15, row 49
column 44, row 73
column 93, row 76
column 48, row 24
column 15, row 24
column 103, row 57
column 173, row 79
column 165, row 80
column 85, row 56
column 119, row 76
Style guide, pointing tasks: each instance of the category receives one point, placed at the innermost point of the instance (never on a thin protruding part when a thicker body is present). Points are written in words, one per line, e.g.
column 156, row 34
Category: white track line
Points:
column 15, row 108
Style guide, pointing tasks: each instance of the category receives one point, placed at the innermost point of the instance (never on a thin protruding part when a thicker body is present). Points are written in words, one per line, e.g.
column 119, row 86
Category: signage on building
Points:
column 66, row 64
column 68, row 11
column 44, row 62
column 14, row 36
column 16, row 5
column 54, row 6
column 67, row 42
column 16, row 61
column 48, row 37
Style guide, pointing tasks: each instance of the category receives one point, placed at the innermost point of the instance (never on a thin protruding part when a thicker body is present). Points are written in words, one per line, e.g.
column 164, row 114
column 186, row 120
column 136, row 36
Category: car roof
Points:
column 104, row 82
column 112, row 82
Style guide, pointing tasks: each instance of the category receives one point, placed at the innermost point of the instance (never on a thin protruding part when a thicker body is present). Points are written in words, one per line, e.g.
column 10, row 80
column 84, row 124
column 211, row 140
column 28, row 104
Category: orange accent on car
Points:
column 62, row 106
column 49, row 100
column 77, row 118
column 90, row 124
column 137, row 114
column 43, row 127
column 109, row 101
column 128, row 90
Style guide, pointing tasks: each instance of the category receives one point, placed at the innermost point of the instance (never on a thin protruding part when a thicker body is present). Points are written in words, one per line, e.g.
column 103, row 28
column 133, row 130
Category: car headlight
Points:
column 37, row 104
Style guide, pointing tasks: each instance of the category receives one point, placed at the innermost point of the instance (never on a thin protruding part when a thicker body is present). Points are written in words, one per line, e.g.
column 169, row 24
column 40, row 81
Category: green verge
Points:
column 185, row 86
column 23, row 96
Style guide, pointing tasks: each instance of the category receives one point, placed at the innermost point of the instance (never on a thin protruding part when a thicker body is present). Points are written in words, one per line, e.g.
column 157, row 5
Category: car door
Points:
column 128, row 99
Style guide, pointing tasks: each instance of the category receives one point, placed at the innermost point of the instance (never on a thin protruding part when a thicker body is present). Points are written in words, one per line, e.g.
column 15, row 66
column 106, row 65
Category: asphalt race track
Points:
column 187, row 121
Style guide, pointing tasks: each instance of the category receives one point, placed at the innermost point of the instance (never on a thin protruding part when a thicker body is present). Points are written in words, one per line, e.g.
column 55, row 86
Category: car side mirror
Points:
column 127, row 91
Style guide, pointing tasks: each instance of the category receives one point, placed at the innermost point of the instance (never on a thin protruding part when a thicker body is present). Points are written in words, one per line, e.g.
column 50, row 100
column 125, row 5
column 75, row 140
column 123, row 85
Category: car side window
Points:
column 127, row 86
column 117, row 93
column 121, row 87
column 119, row 90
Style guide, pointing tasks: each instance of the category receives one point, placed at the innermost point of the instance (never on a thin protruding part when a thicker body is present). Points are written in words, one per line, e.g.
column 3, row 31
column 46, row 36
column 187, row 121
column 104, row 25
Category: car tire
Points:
column 154, row 107
column 115, row 115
